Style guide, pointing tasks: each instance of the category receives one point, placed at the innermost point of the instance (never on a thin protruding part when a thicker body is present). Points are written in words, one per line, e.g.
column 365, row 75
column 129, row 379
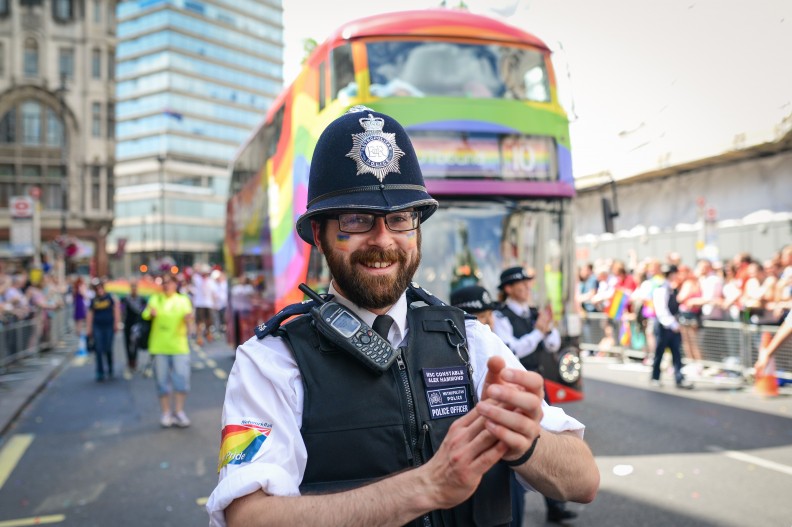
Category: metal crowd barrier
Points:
column 20, row 339
column 722, row 343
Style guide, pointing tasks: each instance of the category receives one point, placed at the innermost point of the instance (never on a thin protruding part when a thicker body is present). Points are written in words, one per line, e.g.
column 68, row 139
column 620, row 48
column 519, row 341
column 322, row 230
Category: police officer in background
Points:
column 477, row 301
column 311, row 436
column 527, row 332
column 524, row 329
column 667, row 333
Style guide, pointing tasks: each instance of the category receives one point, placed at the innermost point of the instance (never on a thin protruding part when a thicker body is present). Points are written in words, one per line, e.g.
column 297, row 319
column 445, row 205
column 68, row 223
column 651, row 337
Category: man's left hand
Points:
column 512, row 404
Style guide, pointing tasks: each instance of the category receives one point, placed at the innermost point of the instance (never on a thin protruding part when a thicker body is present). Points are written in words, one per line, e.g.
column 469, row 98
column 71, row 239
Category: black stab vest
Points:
column 356, row 424
column 522, row 326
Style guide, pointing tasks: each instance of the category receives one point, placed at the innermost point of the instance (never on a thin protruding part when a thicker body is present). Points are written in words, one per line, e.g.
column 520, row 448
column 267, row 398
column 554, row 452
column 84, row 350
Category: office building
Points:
column 193, row 80
column 56, row 133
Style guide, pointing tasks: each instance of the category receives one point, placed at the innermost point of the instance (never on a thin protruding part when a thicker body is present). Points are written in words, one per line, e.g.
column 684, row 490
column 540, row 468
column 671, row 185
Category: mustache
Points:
column 377, row 254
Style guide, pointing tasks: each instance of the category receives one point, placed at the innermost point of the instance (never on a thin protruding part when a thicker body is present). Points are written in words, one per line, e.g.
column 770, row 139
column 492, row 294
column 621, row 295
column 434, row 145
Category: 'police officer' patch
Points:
column 447, row 391
column 374, row 151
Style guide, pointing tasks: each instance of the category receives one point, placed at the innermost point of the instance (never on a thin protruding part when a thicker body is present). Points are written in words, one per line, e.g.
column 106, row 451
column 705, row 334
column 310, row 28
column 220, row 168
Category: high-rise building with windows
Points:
column 57, row 128
column 194, row 77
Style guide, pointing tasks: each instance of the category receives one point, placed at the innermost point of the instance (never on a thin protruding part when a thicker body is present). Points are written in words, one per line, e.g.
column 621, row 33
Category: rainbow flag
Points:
column 625, row 334
column 618, row 304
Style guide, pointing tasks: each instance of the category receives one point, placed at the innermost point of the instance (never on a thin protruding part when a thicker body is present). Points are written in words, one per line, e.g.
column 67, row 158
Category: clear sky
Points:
column 642, row 80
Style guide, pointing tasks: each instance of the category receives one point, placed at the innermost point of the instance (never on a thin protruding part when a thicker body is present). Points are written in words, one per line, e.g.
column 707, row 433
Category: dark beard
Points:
column 371, row 292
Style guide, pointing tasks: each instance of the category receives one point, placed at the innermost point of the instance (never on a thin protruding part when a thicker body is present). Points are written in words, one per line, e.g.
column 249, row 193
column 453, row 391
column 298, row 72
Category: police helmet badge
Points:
column 374, row 150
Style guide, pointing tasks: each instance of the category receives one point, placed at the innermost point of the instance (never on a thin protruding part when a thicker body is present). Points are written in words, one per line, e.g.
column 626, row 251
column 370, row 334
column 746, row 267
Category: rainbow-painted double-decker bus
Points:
column 479, row 101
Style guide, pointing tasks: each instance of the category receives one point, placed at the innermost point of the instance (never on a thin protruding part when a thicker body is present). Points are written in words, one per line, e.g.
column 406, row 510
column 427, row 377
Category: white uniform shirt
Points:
column 527, row 344
column 265, row 394
column 660, row 297
column 201, row 291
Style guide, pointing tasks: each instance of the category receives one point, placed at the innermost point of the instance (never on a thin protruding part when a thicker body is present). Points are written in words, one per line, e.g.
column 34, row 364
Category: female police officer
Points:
column 311, row 436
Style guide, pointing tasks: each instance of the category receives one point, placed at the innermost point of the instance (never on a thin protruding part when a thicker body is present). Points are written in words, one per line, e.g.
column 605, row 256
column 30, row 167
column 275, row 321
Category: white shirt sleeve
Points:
column 660, row 301
column 264, row 391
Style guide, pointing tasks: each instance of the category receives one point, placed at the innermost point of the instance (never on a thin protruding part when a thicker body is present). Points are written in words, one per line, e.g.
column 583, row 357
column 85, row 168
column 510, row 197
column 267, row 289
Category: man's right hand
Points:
column 465, row 455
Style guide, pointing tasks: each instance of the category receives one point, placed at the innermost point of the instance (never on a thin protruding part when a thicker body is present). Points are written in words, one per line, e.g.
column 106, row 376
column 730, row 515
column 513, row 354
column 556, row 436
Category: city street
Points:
column 89, row 454
column 98, row 457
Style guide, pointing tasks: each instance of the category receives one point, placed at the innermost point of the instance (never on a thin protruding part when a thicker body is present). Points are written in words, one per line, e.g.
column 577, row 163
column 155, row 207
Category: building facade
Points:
column 715, row 207
column 57, row 125
column 194, row 77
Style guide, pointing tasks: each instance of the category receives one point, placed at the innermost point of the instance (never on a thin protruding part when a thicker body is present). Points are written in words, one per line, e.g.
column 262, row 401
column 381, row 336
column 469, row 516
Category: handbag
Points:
column 142, row 332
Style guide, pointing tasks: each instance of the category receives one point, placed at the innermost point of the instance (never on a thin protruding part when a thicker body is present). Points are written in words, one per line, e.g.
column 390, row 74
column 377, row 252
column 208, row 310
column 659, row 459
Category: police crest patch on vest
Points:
column 446, row 391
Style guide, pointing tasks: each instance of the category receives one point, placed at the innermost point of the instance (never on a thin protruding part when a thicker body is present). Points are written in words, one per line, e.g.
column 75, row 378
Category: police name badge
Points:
column 374, row 151
column 447, row 391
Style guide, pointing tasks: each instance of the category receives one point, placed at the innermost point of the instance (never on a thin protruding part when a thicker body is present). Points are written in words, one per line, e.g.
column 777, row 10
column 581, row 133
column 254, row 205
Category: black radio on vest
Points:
column 347, row 331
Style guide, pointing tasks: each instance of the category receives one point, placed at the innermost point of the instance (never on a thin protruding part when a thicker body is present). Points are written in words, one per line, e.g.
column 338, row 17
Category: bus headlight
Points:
column 569, row 367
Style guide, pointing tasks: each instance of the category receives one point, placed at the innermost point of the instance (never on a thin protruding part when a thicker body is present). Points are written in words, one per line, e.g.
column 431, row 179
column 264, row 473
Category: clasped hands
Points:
column 511, row 405
column 501, row 426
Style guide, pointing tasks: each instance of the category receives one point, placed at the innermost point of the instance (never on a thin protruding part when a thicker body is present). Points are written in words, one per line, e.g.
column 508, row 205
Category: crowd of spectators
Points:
column 740, row 289
column 27, row 308
column 29, row 302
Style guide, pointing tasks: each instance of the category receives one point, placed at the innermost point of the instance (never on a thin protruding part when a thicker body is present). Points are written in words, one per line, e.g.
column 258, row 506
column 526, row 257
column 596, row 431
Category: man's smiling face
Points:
column 374, row 268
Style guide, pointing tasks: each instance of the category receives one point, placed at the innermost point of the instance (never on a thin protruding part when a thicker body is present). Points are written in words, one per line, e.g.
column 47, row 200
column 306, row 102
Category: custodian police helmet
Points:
column 364, row 161
column 473, row 299
column 512, row 275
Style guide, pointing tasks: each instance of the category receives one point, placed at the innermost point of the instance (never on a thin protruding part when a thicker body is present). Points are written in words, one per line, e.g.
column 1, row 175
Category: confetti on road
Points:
column 623, row 470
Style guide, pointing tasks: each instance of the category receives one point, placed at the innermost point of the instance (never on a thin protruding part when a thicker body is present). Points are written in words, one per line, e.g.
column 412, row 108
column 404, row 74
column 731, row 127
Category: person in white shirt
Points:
column 311, row 435
column 202, row 299
column 522, row 327
column 667, row 328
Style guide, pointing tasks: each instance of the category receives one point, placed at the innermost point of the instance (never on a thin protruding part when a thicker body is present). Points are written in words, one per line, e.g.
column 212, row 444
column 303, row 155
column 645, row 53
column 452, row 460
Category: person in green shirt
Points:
column 171, row 315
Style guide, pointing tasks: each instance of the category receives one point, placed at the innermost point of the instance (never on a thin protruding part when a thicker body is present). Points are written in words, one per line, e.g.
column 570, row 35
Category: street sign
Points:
column 21, row 206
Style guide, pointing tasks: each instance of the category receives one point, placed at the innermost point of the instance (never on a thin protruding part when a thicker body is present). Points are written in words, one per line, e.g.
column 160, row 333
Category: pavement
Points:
column 26, row 378
column 22, row 382
column 715, row 385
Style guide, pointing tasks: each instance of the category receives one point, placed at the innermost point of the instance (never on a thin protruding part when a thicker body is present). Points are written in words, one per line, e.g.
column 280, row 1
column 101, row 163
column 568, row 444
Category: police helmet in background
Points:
column 364, row 161
column 473, row 299
column 512, row 275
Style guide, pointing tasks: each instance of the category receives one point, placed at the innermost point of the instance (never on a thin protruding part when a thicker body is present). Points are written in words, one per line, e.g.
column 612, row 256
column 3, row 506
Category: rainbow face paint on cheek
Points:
column 342, row 241
column 412, row 237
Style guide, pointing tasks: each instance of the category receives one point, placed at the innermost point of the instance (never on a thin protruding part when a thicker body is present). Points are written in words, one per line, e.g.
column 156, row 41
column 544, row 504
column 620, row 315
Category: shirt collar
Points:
column 518, row 308
column 398, row 312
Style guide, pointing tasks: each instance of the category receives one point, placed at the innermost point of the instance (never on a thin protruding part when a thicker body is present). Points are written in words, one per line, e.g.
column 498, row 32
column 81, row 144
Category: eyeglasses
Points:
column 360, row 222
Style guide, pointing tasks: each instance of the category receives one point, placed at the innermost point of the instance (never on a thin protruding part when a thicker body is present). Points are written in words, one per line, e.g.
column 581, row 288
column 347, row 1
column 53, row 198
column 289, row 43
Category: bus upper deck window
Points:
column 523, row 74
column 342, row 75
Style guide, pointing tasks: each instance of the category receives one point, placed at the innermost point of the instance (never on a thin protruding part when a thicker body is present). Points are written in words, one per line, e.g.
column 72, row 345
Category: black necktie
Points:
column 382, row 325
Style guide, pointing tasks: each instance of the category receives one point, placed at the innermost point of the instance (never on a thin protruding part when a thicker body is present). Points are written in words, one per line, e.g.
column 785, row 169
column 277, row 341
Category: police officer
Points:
column 667, row 333
column 311, row 436
column 528, row 332
column 522, row 327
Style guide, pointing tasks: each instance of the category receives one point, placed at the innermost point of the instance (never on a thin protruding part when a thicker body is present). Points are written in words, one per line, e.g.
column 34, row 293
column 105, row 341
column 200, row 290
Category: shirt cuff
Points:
column 242, row 481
